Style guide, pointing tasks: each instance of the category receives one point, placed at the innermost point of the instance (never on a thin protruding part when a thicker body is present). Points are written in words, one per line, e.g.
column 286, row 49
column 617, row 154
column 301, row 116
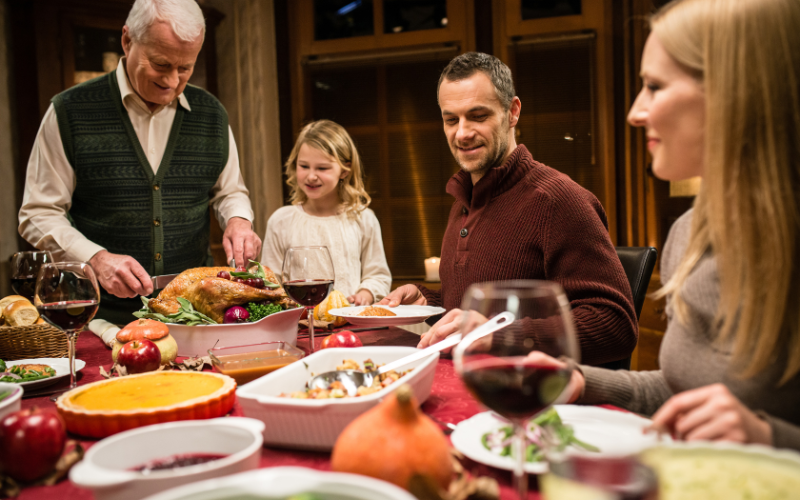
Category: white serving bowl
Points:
column 197, row 340
column 106, row 467
column 279, row 483
column 12, row 402
column 316, row 423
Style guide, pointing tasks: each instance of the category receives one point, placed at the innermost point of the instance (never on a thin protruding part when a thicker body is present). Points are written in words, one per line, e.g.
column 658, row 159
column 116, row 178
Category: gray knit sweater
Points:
column 690, row 358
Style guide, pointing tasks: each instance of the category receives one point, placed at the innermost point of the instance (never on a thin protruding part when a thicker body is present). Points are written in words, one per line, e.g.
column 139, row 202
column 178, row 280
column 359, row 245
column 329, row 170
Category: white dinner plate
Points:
column 279, row 483
column 405, row 315
column 60, row 365
column 616, row 433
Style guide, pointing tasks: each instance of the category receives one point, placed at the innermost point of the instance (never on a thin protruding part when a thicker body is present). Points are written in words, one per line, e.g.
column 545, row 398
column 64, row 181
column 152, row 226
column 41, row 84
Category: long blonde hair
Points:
column 333, row 140
column 747, row 53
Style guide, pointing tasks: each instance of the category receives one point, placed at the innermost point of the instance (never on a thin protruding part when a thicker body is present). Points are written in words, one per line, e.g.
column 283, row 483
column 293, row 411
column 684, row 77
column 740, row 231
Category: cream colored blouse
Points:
column 356, row 247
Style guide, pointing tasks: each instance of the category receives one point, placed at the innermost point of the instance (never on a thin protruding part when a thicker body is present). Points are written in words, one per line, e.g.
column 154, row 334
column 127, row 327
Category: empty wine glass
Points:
column 24, row 270
column 308, row 278
column 67, row 297
column 495, row 367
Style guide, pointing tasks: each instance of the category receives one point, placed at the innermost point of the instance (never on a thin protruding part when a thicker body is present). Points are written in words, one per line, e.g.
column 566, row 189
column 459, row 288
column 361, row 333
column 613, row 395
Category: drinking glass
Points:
column 24, row 270
column 495, row 367
column 308, row 278
column 67, row 297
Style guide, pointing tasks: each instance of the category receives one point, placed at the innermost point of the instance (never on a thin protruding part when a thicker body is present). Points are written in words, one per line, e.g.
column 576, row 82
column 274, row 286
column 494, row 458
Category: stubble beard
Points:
column 492, row 158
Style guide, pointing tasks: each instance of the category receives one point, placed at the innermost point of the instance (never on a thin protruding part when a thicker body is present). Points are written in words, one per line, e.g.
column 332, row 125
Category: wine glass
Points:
column 24, row 270
column 308, row 278
column 495, row 367
column 67, row 297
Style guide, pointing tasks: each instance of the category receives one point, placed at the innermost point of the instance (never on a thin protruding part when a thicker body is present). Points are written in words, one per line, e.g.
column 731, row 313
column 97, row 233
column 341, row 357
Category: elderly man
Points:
column 125, row 166
column 515, row 218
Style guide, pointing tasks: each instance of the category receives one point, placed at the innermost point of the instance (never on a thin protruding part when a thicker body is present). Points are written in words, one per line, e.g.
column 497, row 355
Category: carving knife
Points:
column 159, row 282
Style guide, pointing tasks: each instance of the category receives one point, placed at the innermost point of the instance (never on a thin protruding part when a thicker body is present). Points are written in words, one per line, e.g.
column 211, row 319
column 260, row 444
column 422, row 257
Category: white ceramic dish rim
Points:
column 466, row 442
column 400, row 311
column 276, row 400
column 16, row 394
column 60, row 402
column 228, row 325
column 60, row 365
column 255, row 427
column 302, row 479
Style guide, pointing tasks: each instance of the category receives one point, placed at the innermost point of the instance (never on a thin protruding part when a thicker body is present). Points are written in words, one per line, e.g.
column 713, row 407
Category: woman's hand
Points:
column 576, row 383
column 361, row 298
column 405, row 295
column 711, row 413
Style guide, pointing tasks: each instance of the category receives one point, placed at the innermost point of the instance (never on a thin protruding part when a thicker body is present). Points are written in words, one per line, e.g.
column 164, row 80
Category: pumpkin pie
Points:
column 115, row 405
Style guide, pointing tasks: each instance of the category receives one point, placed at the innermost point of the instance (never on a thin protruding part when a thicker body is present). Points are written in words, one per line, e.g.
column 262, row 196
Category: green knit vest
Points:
column 159, row 219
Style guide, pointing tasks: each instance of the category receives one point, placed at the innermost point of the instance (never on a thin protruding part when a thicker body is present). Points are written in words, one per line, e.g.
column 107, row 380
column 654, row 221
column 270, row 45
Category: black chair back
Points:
column 638, row 263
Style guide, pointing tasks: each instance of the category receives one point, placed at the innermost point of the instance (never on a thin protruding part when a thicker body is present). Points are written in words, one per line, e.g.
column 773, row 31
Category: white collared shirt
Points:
column 50, row 180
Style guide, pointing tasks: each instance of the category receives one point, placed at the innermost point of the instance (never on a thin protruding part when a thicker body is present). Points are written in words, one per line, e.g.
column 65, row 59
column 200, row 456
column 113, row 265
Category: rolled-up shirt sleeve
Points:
column 229, row 196
column 49, row 184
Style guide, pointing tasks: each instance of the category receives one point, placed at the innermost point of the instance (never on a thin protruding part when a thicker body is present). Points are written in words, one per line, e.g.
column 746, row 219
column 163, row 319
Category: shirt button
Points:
column 156, row 222
column 464, row 210
column 158, row 256
column 156, row 187
column 464, row 233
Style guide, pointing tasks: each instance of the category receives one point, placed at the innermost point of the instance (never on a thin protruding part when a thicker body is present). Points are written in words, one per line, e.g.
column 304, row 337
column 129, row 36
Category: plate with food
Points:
column 486, row 438
column 386, row 316
column 35, row 373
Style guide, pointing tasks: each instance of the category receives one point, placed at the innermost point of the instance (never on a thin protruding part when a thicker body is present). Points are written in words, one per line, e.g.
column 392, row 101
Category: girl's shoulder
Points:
column 285, row 213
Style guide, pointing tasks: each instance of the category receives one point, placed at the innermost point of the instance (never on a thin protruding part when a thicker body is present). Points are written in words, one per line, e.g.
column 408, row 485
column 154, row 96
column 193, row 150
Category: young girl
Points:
column 329, row 207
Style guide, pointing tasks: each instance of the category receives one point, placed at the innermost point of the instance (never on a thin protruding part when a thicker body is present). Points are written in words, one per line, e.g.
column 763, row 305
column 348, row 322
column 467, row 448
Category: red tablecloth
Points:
column 449, row 402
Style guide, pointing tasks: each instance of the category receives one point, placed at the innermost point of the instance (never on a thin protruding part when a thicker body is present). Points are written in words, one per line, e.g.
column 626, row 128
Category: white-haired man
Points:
column 125, row 166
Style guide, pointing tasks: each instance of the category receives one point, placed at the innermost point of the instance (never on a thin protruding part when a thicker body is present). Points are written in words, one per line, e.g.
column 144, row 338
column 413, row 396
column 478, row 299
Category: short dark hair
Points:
column 465, row 65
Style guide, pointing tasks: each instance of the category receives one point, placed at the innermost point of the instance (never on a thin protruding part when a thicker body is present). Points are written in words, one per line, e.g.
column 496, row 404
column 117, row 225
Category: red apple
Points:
column 345, row 338
column 139, row 356
column 31, row 442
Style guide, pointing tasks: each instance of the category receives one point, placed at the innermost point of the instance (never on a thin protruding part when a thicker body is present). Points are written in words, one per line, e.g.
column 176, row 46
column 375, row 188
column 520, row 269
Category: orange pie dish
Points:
column 104, row 408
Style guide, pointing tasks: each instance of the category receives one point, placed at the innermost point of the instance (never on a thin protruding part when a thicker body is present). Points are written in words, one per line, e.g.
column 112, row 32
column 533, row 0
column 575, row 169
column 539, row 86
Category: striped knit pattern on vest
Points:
column 159, row 219
column 525, row 220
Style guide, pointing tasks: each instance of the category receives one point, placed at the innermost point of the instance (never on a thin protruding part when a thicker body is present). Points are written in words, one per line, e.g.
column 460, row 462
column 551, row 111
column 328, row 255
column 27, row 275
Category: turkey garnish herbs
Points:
column 186, row 315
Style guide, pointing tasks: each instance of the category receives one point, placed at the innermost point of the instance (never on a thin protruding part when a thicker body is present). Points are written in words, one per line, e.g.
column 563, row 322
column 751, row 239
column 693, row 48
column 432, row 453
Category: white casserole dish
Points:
column 105, row 467
column 315, row 424
column 197, row 340
column 12, row 402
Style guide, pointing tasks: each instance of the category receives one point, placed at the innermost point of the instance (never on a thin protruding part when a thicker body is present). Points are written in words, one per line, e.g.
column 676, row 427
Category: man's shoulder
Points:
column 555, row 185
column 96, row 88
column 200, row 97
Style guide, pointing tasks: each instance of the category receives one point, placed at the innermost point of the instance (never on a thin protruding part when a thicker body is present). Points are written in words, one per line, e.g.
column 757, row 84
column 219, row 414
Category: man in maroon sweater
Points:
column 515, row 218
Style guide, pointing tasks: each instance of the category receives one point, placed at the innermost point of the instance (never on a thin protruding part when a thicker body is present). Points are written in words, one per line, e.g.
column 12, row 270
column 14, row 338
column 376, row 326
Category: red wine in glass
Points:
column 69, row 315
column 308, row 292
column 513, row 387
column 24, row 285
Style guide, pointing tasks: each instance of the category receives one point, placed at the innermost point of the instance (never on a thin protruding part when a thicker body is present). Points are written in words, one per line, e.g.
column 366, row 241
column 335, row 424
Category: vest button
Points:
column 156, row 222
column 464, row 233
column 156, row 187
column 158, row 256
column 464, row 210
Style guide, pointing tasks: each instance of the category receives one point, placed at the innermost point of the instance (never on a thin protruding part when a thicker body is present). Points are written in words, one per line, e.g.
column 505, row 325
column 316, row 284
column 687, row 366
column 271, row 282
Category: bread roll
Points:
column 20, row 313
column 5, row 301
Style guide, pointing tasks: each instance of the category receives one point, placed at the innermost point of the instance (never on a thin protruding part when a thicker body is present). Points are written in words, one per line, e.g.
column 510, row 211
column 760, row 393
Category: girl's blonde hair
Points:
column 333, row 140
column 747, row 53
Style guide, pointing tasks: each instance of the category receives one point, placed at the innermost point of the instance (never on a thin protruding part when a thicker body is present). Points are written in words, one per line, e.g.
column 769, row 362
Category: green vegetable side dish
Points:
column 2, row 365
column 24, row 375
column 4, row 395
column 260, row 311
column 549, row 422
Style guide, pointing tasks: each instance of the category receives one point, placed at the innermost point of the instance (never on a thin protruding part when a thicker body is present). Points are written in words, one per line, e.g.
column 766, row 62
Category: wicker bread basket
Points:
column 30, row 342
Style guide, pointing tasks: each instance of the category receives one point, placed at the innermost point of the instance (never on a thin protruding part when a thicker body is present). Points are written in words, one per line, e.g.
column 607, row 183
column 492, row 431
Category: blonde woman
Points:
column 329, row 207
column 721, row 99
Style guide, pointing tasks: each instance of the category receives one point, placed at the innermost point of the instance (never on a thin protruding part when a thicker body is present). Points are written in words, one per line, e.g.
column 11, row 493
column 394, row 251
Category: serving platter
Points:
column 60, row 365
column 404, row 315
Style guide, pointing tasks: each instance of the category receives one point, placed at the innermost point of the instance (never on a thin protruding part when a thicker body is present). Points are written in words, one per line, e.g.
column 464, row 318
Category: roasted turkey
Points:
column 211, row 295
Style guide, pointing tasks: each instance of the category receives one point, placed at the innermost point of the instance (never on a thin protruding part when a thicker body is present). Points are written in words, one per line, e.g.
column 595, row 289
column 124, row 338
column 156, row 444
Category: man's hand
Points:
column 362, row 297
column 405, row 295
column 576, row 383
column 711, row 413
column 121, row 275
column 240, row 242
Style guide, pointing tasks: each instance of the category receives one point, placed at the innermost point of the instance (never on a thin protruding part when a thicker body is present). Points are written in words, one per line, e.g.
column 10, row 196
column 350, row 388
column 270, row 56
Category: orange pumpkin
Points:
column 394, row 441
column 148, row 329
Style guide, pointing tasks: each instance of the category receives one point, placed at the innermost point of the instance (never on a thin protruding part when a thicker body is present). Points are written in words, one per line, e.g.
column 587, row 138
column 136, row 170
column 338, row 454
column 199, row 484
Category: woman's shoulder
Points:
column 675, row 246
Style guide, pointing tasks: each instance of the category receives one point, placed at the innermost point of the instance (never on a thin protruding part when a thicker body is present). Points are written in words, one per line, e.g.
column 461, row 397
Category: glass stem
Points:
column 520, row 476
column 71, row 338
column 311, row 328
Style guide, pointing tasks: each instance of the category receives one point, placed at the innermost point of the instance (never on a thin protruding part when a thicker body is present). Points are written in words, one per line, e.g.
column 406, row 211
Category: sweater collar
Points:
column 496, row 181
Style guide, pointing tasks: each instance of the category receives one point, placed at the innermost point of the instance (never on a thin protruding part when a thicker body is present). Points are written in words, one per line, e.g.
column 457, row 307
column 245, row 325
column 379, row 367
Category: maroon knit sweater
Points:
column 525, row 220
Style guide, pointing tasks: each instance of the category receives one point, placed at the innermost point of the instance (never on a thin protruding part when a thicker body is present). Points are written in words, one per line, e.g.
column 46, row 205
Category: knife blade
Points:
column 159, row 282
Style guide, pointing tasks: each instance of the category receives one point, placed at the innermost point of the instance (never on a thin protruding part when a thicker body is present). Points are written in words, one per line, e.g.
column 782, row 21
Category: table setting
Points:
column 234, row 409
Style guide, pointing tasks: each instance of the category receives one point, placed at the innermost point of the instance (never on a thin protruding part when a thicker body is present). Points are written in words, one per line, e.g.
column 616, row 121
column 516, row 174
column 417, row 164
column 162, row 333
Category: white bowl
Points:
column 279, row 483
column 197, row 340
column 12, row 402
column 316, row 423
column 106, row 467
